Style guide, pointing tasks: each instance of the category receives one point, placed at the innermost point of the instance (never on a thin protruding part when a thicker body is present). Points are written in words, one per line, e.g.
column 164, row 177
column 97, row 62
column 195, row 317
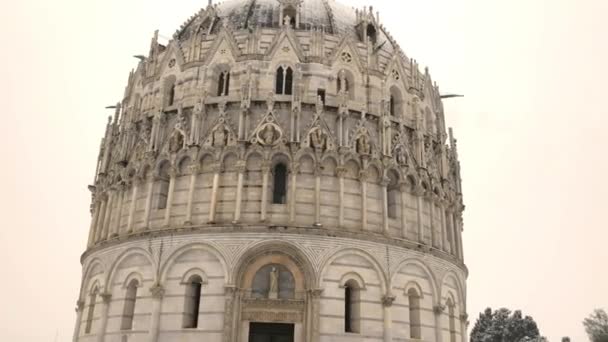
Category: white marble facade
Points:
column 282, row 135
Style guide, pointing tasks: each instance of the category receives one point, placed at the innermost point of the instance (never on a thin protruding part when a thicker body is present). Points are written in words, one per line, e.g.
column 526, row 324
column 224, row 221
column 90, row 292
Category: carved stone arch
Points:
column 280, row 157
column 95, row 287
column 393, row 172
column 133, row 276
column 186, row 279
column 276, row 247
column 411, row 178
column 183, row 163
column 126, row 254
column 229, row 154
column 376, row 265
column 163, row 168
column 460, row 299
column 168, row 263
column 146, row 171
column 375, row 167
column 252, row 151
column 84, row 286
column 302, row 157
column 352, row 166
column 413, row 285
column 427, row 270
column 352, row 276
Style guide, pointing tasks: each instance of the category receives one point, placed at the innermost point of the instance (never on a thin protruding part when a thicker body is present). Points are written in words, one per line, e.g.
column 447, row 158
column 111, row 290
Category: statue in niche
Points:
column 269, row 135
column 220, row 137
column 363, row 145
column 177, row 142
column 287, row 20
column 401, row 155
column 318, row 139
column 273, row 288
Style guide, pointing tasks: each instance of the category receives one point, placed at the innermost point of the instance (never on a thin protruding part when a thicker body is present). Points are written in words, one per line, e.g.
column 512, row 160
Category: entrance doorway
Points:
column 270, row 332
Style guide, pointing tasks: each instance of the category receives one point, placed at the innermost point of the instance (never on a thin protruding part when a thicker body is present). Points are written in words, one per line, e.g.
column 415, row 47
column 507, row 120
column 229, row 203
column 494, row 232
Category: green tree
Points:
column 504, row 326
column 596, row 326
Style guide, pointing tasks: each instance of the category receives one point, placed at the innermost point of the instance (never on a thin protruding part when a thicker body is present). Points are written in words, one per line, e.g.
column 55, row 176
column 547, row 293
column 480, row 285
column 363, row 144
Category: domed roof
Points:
column 334, row 17
column 327, row 15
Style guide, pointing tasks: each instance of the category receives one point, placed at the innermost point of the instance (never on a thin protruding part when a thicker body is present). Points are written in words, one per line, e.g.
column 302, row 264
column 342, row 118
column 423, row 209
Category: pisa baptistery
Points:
column 280, row 171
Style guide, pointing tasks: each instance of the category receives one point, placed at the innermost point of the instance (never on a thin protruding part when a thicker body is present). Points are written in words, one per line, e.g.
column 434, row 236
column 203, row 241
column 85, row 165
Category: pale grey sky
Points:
column 530, row 129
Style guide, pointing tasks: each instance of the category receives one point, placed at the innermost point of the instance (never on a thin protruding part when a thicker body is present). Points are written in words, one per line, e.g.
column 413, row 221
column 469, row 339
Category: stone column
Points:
column 157, row 300
column 341, row 173
column 93, row 226
column 79, row 311
column 315, row 310
column 363, row 180
column 240, row 168
column 172, row 178
column 148, row 210
column 107, row 221
column 194, row 170
column 121, row 195
column 133, row 205
column 295, row 168
column 387, row 303
column 106, row 300
column 445, row 245
column 464, row 323
column 384, row 184
column 432, row 225
column 99, row 224
column 264, row 204
column 231, row 298
column 318, row 172
column 438, row 313
column 453, row 232
column 216, row 185
column 404, row 188
column 419, row 203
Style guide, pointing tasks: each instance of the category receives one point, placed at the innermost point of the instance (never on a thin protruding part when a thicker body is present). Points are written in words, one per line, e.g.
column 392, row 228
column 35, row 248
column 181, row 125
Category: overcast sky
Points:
column 530, row 131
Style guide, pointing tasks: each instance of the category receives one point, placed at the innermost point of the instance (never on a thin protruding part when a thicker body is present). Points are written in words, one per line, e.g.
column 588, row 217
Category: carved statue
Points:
column 177, row 142
column 269, row 135
column 318, row 139
column 220, row 137
column 273, row 288
column 287, row 20
column 363, row 145
column 401, row 155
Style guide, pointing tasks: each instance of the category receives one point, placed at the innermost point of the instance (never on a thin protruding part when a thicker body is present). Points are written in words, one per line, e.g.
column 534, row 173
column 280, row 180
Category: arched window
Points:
column 223, row 84
column 280, row 80
column 129, row 307
column 352, row 310
column 291, row 12
column 192, row 302
column 371, row 33
column 163, row 186
column 171, row 95
column 414, row 307
column 343, row 84
column 392, row 106
column 279, row 189
column 284, row 81
column 91, row 313
column 452, row 319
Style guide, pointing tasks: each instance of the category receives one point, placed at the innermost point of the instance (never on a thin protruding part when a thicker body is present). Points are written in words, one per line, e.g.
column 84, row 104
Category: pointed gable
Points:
column 285, row 46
